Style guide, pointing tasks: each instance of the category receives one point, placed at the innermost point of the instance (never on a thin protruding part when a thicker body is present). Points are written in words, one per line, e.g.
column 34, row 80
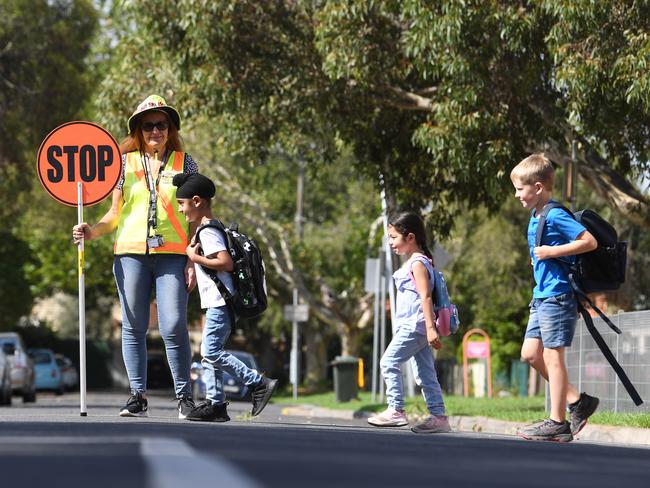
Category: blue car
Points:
column 48, row 372
column 233, row 388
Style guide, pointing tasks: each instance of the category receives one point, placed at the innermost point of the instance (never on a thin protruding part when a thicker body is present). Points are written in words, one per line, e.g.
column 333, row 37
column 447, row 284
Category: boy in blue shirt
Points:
column 194, row 195
column 553, row 309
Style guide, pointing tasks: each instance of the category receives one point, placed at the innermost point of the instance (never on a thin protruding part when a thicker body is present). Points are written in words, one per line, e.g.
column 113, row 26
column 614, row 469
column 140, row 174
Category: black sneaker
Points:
column 136, row 406
column 208, row 412
column 547, row 430
column 581, row 411
column 185, row 406
column 262, row 394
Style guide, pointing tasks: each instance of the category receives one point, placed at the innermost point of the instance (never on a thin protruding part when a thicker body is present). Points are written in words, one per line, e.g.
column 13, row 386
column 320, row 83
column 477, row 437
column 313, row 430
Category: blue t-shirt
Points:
column 552, row 275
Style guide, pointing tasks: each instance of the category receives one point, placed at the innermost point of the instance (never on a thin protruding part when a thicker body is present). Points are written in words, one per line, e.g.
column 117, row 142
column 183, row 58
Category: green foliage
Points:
column 16, row 297
column 442, row 98
column 43, row 80
column 601, row 53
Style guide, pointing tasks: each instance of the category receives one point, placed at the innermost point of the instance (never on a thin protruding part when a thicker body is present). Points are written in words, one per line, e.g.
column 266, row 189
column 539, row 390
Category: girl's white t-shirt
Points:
column 212, row 241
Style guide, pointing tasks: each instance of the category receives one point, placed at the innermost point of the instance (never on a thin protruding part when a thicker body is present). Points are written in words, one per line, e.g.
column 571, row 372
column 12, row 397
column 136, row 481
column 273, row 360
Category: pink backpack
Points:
column 447, row 320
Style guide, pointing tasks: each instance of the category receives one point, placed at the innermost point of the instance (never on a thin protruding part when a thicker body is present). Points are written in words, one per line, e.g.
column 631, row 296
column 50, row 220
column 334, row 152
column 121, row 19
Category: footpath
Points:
column 592, row 432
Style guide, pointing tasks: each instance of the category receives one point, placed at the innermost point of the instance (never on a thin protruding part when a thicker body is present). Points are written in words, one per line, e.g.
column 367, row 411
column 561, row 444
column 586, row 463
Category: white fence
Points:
column 589, row 371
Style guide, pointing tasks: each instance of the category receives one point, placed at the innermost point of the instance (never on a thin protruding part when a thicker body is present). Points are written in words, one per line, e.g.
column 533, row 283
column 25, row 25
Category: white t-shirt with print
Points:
column 212, row 241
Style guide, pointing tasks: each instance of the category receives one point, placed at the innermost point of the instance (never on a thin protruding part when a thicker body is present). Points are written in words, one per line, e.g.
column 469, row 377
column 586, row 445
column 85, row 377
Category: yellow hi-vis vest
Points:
column 131, row 236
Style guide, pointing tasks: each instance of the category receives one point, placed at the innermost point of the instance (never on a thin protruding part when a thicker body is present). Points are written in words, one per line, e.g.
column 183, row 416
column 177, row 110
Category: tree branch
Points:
column 596, row 171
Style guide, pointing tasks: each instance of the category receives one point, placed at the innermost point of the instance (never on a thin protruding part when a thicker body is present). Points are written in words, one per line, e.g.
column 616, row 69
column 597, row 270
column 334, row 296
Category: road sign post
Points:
column 79, row 164
column 295, row 313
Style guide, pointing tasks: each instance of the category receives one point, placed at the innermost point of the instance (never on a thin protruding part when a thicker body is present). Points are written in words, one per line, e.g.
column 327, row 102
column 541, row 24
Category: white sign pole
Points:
column 294, row 364
column 82, row 307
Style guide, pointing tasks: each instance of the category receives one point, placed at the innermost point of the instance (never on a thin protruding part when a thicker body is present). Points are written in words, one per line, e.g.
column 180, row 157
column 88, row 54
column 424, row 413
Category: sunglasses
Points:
column 149, row 126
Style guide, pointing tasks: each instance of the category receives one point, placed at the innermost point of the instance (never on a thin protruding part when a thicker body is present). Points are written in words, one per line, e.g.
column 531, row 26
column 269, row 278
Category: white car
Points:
column 68, row 372
column 22, row 367
column 5, row 377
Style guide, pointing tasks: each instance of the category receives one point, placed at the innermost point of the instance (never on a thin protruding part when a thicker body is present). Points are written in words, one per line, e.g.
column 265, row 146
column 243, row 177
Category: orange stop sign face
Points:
column 79, row 152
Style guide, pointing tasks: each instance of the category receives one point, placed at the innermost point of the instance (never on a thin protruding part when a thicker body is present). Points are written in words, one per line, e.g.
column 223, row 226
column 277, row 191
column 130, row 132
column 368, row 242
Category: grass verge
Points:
column 516, row 409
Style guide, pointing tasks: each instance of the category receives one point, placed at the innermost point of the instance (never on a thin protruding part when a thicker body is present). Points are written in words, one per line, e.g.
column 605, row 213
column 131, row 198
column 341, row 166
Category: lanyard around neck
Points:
column 152, row 220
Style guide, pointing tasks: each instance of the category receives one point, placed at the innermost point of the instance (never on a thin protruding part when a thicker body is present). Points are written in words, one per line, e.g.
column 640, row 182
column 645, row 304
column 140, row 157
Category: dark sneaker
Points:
column 208, row 412
column 547, row 430
column 185, row 406
column 136, row 406
column 262, row 394
column 433, row 424
column 581, row 411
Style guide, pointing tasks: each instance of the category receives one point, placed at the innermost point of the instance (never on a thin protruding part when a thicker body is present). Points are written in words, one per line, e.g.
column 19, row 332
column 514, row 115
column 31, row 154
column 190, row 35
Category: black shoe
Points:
column 547, row 430
column 185, row 406
column 208, row 412
column 581, row 411
column 262, row 394
column 136, row 406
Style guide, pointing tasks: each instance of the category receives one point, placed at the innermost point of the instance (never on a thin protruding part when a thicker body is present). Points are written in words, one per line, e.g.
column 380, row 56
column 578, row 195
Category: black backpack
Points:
column 249, row 299
column 602, row 269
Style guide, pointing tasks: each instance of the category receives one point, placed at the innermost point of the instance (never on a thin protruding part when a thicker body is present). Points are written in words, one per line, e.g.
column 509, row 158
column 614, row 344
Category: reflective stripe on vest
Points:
column 131, row 236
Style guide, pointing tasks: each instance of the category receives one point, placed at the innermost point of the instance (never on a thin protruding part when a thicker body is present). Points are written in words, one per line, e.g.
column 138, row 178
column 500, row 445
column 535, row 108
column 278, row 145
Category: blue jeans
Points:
column 136, row 276
column 553, row 320
column 216, row 360
column 414, row 346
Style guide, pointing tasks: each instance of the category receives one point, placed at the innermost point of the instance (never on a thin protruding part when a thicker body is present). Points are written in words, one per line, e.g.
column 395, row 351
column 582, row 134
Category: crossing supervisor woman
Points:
column 150, row 243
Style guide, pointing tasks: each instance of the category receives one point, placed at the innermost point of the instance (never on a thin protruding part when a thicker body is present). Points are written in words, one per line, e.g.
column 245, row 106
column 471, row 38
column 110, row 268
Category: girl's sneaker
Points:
column 389, row 418
column 433, row 424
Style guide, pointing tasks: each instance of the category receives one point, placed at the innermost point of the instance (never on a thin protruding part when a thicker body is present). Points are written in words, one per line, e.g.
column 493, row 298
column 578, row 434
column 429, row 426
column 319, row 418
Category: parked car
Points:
column 68, row 371
column 22, row 367
column 48, row 373
column 5, row 376
column 232, row 387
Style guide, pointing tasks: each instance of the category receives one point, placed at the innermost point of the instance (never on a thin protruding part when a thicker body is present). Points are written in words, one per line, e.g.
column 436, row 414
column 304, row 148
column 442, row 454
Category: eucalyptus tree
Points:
column 442, row 98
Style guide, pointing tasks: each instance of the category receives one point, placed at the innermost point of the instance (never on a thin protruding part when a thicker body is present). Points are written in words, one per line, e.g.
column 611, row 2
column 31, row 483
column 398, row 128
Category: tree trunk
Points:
column 315, row 354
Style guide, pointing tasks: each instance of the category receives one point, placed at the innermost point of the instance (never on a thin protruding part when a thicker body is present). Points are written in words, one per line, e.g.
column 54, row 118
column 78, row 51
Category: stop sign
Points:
column 79, row 152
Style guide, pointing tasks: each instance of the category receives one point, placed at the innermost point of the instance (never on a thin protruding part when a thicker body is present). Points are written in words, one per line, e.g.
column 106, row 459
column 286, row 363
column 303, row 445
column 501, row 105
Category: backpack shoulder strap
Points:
column 214, row 224
column 604, row 348
column 422, row 259
column 543, row 216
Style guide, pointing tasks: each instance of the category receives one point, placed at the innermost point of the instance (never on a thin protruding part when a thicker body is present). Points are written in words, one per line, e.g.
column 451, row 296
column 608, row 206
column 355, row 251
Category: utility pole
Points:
column 295, row 338
column 574, row 174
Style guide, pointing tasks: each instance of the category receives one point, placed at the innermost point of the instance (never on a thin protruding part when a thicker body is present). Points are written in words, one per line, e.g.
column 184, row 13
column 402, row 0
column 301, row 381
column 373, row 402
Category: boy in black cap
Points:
column 194, row 194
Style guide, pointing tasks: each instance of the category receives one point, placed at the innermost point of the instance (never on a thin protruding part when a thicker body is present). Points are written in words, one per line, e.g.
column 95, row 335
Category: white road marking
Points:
column 173, row 463
column 170, row 462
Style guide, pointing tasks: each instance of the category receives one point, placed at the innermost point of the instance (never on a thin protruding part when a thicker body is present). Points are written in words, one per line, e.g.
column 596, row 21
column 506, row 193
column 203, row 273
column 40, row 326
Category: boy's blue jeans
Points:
column 216, row 360
column 136, row 276
column 411, row 345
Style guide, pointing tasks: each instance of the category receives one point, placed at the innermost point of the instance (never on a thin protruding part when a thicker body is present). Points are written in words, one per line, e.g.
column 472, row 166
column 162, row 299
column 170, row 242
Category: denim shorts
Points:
column 553, row 320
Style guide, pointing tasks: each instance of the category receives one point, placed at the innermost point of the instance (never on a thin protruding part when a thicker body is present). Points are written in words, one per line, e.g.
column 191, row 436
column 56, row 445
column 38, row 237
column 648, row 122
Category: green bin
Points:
column 346, row 369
